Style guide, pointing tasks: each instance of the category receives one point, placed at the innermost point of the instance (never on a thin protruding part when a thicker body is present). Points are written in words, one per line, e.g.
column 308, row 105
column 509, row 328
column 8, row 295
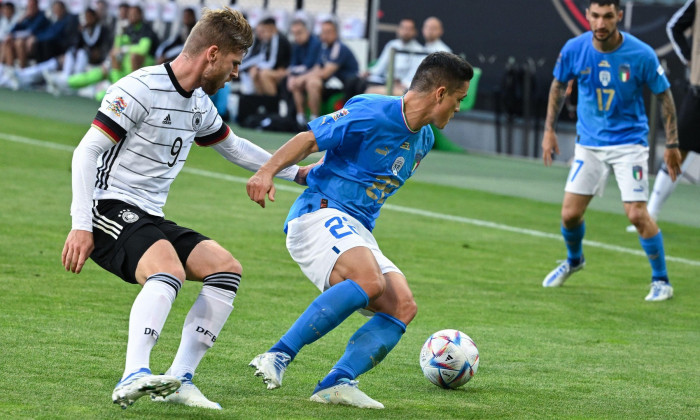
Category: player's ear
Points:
column 212, row 53
column 440, row 93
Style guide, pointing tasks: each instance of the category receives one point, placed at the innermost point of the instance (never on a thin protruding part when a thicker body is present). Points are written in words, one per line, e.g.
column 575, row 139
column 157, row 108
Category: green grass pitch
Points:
column 591, row 349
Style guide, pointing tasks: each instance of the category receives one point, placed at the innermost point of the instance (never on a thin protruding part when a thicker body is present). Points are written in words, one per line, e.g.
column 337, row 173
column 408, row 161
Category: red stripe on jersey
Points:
column 106, row 130
column 213, row 138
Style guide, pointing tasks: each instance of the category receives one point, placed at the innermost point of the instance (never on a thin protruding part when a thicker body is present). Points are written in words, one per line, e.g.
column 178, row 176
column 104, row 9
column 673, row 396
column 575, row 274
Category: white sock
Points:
column 148, row 315
column 663, row 187
column 205, row 321
column 301, row 119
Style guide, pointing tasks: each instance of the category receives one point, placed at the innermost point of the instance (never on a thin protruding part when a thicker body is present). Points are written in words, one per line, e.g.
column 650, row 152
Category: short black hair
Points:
column 9, row 4
column 268, row 21
column 615, row 3
column 442, row 69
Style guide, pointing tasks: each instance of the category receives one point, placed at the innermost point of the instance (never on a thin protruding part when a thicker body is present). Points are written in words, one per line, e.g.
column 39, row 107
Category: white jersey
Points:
column 153, row 123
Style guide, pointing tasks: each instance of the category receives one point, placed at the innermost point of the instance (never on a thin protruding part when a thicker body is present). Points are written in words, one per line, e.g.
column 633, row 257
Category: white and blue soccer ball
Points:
column 449, row 359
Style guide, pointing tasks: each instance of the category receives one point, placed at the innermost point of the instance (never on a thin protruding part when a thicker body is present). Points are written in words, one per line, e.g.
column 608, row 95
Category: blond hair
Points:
column 226, row 28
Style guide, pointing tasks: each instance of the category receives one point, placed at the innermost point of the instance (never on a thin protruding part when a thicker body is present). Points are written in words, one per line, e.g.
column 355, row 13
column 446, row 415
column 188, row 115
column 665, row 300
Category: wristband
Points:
column 672, row 145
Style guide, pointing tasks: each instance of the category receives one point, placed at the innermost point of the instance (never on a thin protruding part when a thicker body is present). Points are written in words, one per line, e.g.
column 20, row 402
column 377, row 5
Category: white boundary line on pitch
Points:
column 408, row 210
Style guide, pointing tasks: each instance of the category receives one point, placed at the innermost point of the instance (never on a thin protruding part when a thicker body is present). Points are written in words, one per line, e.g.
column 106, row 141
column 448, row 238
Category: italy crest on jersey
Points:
column 637, row 173
column 624, row 72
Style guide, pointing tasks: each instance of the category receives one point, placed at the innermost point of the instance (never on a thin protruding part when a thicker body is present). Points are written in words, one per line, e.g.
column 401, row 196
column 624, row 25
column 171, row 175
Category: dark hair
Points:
column 331, row 21
column 442, row 69
column 615, row 3
column 9, row 4
column 268, row 21
column 299, row 21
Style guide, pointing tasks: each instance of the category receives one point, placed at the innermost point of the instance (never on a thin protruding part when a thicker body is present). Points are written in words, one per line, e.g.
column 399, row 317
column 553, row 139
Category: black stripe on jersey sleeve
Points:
column 215, row 137
column 108, row 126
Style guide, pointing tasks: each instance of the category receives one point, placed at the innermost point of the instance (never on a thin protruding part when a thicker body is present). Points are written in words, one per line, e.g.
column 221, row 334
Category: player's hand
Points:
column 550, row 146
column 672, row 158
column 260, row 185
column 78, row 247
column 300, row 178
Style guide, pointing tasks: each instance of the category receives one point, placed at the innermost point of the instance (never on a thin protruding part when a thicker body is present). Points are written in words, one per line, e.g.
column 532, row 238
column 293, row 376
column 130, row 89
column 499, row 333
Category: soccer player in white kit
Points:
column 122, row 171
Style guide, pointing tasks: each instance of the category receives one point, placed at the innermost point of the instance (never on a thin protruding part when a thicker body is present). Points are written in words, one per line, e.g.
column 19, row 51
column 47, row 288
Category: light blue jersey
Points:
column 610, row 103
column 370, row 153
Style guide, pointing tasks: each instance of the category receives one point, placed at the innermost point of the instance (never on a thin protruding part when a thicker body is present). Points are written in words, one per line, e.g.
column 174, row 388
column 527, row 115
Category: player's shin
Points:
column 205, row 321
column 326, row 312
column 366, row 348
column 148, row 315
column 574, row 242
column 654, row 248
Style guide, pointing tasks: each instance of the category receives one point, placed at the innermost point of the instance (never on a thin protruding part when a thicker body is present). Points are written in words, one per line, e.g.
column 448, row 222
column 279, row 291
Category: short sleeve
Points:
column 125, row 105
column 656, row 75
column 563, row 69
column 340, row 127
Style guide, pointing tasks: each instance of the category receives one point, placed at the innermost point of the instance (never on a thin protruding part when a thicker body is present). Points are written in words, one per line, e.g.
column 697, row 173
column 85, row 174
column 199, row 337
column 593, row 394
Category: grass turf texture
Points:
column 591, row 349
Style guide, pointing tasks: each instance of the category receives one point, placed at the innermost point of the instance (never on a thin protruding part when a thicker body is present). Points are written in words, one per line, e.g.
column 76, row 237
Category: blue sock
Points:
column 366, row 348
column 654, row 248
column 574, row 242
column 326, row 312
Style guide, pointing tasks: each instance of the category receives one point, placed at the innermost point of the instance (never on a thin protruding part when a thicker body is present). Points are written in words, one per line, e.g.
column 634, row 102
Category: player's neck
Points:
column 182, row 69
column 416, row 109
column 609, row 44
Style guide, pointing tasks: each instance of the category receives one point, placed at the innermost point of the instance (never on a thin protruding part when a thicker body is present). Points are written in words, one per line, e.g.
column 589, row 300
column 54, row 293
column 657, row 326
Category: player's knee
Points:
column 638, row 216
column 571, row 217
column 374, row 285
column 408, row 308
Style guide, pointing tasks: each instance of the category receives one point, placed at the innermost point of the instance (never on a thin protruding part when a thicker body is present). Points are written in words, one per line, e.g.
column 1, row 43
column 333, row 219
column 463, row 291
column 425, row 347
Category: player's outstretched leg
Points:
column 365, row 349
column 143, row 383
column 575, row 260
column 326, row 312
column 201, row 329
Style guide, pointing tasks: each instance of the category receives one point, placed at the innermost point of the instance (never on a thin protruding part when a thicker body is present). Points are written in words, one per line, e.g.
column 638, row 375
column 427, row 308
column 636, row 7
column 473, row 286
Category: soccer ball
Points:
column 449, row 358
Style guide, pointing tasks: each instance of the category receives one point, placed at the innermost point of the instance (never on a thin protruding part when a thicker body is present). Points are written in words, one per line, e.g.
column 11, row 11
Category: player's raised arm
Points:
column 672, row 156
column 79, row 243
column 550, row 146
column 296, row 149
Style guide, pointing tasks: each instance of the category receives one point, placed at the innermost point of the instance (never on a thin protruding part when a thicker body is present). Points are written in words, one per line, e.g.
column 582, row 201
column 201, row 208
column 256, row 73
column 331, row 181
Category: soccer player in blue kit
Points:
column 373, row 145
column 612, row 67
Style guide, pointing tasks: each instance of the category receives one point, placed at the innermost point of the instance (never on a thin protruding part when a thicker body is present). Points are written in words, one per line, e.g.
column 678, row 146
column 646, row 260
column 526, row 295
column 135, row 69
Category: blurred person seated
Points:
column 57, row 37
column 133, row 49
column 15, row 43
column 8, row 19
column 94, row 44
column 404, row 68
column 432, row 34
column 107, row 21
column 170, row 48
column 267, row 61
column 335, row 66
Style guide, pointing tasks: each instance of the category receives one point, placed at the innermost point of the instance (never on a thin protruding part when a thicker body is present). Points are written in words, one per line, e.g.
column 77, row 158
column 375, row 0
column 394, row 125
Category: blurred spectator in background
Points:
column 107, row 21
column 306, row 48
column 8, row 19
column 15, row 45
column 404, row 67
column 57, row 37
column 272, row 70
column 132, row 50
column 170, row 48
column 267, row 61
column 336, row 65
column 92, row 48
column 432, row 34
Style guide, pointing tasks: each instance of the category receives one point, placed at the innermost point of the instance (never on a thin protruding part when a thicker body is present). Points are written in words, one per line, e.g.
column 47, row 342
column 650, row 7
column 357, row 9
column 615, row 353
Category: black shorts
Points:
column 123, row 233
column 689, row 121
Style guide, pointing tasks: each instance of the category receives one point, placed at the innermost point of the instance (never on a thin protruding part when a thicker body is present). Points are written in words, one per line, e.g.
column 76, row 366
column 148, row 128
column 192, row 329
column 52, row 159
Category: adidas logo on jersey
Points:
column 167, row 120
